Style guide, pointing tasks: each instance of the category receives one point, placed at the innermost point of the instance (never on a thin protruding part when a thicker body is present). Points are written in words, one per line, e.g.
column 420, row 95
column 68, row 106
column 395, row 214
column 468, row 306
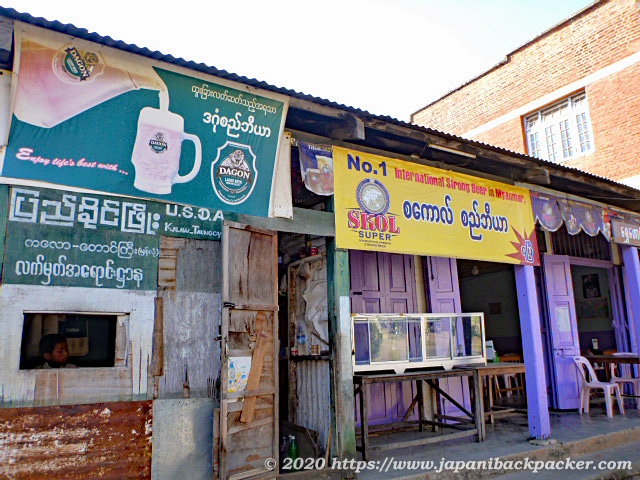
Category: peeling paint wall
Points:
column 102, row 440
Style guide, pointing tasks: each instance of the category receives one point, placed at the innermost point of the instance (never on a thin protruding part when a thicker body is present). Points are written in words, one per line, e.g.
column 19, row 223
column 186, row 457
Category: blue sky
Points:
column 390, row 57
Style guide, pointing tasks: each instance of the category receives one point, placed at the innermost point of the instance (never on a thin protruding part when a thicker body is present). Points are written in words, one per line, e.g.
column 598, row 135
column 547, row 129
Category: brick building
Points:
column 569, row 95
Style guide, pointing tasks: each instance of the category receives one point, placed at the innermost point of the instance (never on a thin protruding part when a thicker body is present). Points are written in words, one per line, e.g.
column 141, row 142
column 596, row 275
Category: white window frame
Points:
column 553, row 133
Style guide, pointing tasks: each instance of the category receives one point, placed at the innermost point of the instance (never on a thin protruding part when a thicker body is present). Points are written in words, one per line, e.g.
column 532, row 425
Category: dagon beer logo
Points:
column 73, row 64
column 158, row 144
column 234, row 173
column 373, row 221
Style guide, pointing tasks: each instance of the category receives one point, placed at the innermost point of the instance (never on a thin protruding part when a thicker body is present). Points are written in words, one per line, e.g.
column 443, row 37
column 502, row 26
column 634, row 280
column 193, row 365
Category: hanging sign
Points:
column 93, row 117
column 316, row 167
column 626, row 232
column 385, row 204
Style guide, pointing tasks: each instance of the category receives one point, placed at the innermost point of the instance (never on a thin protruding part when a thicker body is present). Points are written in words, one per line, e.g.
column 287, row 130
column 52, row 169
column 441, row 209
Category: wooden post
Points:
column 157, row 363
column 343, row 421
column 537, row 402
column 632, row 276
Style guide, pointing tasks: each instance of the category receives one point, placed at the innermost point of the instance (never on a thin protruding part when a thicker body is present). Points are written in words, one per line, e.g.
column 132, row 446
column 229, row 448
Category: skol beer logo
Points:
column 235, row 176
column 373, row 221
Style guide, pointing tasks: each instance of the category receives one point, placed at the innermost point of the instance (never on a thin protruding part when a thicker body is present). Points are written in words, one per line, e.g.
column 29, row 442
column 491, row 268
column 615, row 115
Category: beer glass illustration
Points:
column 157, row 149
column 55, row 84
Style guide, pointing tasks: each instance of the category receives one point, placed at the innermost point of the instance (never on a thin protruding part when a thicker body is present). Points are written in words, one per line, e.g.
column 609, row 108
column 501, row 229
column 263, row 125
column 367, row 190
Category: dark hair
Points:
column 49, row 342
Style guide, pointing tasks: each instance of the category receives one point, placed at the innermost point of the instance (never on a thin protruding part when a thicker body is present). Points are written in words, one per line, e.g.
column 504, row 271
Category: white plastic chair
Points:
column 589, row 381
column 623, row 373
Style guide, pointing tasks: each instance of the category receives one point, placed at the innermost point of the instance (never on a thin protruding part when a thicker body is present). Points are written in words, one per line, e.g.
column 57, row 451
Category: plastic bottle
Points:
column 293, row 451
column 301, row 340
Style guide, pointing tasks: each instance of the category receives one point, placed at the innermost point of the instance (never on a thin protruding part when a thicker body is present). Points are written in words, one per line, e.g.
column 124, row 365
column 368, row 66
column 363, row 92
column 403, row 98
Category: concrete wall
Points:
column 183, row 439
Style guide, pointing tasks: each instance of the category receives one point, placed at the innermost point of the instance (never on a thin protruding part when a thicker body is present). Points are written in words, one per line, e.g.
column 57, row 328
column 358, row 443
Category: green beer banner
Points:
column 96, row 118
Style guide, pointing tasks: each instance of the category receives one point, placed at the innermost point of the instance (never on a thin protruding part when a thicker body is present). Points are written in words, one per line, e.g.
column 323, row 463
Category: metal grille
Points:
column 580, row 245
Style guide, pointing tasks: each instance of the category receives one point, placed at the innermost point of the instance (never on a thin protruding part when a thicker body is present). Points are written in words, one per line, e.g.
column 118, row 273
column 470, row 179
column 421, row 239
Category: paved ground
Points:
column 592, row 437
column 577, row 438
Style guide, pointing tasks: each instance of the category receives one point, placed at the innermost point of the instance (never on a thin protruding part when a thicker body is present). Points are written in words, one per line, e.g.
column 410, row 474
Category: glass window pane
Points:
column 534, row 145
column 361, row 340
column 550, row 139
column 467, row 336
column 583, row 132
column 438, row 337
column 415, row 339
column 565, row 135
column 389, row 342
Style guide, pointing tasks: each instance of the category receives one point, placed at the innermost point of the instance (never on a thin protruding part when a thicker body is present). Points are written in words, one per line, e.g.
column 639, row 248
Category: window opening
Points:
column 90, row 338
column 580, row 245
column 565, row 129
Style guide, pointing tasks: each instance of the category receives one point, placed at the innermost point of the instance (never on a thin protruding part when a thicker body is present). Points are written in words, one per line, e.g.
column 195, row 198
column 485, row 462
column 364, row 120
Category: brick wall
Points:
column 507, row 135
column 605, row 33
column 614, row 104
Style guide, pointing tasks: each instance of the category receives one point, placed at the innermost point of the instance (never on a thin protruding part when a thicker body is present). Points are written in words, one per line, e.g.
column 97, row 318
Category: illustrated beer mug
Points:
column 157, row 149
column 55, row 84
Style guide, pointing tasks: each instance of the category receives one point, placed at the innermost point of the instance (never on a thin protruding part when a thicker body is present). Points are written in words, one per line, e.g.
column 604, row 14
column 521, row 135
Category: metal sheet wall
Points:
column 105, row 440
column 314, row 398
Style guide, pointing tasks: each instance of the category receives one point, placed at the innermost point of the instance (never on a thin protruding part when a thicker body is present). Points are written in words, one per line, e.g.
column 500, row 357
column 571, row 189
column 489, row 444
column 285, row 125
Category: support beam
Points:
column 340, row 339
column 537, row 403
column 632, row 276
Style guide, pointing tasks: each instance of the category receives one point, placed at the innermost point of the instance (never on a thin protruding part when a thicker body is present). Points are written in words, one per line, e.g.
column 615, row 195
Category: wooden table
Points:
column 431, row 378
column 489, row 371
column 630, row 358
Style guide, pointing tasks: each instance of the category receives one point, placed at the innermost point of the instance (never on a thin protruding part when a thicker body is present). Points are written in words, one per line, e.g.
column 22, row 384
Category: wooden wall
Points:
column 189, row 307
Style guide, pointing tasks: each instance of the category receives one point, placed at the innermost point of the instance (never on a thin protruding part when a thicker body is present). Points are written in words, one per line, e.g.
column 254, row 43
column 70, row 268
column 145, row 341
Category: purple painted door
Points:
column 444, row 289
column 444, row 297
column 617, row 311
column 563, row 327
column 627, row 294
column 383, row 283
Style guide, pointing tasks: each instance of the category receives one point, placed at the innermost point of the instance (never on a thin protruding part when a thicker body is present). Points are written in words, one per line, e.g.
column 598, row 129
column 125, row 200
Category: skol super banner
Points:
column 94, row 117
column 389, row 205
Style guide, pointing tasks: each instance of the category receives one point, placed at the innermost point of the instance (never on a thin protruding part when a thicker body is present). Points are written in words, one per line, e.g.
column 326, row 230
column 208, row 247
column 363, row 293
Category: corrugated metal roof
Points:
column 84, row 34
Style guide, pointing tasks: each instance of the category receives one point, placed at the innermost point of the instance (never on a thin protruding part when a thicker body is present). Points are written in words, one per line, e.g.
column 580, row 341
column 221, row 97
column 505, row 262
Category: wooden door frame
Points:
column 224, row 374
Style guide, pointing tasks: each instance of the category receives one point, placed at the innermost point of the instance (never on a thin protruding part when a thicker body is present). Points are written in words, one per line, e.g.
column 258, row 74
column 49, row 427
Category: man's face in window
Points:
column 60, row 353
